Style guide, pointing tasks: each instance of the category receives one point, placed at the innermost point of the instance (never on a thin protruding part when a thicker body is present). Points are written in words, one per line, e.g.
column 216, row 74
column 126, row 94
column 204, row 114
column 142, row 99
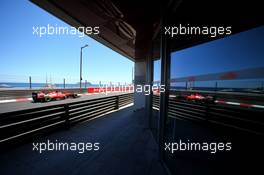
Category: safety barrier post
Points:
column 117, row 102
column 66, row 116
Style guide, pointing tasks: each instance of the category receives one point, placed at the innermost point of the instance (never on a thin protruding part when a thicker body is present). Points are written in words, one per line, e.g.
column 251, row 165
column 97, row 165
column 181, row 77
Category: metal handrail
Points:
column 237, row 118
column 17, row 125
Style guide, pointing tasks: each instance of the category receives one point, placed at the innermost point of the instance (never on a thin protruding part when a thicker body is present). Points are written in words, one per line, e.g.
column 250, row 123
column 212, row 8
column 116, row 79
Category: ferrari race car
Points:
column 54, row 95
column 197, row 98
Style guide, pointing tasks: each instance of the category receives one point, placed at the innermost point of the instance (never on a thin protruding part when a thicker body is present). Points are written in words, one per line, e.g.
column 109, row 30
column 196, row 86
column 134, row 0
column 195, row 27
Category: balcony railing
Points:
column 236, row 118
column 17, row 125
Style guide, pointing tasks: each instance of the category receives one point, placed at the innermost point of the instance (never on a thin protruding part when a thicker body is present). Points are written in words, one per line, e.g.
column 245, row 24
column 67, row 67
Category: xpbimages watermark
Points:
column 212, row 31
column 80, row 147
column 138, row 88
column 59, row 30
column 212, row 147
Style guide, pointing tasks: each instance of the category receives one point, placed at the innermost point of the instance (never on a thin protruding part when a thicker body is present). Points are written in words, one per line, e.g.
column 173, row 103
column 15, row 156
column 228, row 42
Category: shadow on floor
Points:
column 126, row 147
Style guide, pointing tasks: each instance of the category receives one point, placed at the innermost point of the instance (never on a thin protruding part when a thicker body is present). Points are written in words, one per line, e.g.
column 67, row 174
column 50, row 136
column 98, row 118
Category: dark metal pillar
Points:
column 149, row 82
column 30, row 83
column 164, row 97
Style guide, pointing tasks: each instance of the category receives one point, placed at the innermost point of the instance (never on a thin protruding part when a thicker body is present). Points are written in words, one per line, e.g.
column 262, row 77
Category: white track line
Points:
column 239, row 104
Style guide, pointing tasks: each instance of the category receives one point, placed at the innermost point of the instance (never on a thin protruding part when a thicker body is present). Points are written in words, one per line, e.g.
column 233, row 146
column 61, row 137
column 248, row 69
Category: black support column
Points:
column 164, row 97
column 150, row 82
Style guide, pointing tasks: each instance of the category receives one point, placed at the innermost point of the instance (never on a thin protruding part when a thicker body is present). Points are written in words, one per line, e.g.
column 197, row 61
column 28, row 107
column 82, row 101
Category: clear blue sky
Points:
column 236, row 52
column 24, row 54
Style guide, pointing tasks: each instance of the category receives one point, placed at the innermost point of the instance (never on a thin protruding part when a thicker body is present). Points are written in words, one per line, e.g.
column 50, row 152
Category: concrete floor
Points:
column 126, row 147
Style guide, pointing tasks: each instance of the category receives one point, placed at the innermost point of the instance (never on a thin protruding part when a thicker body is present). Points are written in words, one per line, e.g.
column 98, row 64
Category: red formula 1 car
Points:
column 197, row 98
column 200, row 98
column 54, row 95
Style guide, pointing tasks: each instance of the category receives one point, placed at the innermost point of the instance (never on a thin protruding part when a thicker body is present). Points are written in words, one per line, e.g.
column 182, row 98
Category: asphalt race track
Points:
column 16, row 106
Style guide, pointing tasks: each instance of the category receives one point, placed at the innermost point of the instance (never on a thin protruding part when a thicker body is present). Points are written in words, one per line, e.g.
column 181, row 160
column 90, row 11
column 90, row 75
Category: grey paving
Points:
column 126, row 147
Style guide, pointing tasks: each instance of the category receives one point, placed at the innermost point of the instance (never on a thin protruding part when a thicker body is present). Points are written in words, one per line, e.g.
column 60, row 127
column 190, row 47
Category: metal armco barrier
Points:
column 127, row 89
column 20, row 124
column 251, row 73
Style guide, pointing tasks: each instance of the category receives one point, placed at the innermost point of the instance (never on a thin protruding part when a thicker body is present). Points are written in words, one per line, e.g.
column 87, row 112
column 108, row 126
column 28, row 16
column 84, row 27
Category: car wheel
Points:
column 47, row 99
